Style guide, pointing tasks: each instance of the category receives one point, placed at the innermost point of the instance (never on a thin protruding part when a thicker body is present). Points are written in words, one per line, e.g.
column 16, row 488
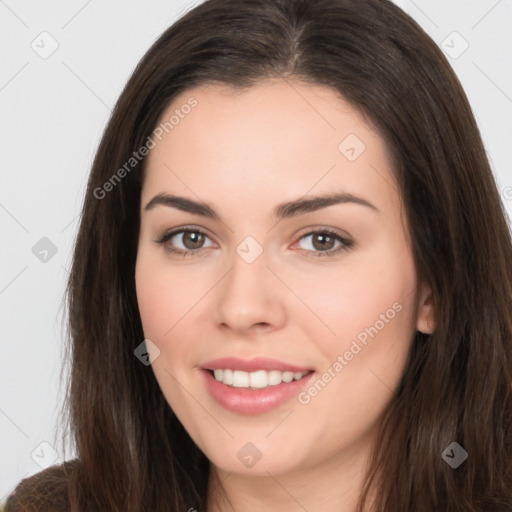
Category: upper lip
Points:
column 252, row 365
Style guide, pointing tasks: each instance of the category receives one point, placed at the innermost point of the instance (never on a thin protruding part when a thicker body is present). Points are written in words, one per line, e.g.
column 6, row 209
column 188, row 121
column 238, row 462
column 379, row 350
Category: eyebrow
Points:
column 282, row 211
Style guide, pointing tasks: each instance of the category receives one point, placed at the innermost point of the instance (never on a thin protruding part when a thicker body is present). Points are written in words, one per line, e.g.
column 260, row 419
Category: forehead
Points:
column 277, row 139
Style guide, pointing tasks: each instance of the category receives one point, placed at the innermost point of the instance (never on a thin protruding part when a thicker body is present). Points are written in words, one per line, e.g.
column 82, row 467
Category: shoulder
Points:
column 44, row 491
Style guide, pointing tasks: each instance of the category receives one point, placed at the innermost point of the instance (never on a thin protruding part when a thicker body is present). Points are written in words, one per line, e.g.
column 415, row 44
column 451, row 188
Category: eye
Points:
column 183, row 241
column 323, row 243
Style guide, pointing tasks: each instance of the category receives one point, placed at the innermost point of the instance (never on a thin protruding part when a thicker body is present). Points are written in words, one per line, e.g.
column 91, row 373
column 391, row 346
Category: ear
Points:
column 426, row 321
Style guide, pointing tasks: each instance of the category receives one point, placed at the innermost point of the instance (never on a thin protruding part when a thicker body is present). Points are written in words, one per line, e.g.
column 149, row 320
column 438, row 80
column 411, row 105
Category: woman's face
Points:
column 275, row 284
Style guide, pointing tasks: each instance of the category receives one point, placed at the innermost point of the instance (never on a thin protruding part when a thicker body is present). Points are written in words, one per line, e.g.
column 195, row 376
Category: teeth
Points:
column 274, row 377
column 257, row 380
column 240, row 379
column 228, row 376
column 287, row 376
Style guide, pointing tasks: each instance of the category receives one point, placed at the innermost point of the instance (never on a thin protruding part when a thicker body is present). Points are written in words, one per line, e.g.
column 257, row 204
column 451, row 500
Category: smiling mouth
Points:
column 259, row 379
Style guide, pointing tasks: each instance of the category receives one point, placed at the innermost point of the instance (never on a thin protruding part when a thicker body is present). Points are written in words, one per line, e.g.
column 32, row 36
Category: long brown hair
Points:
column 133, row 453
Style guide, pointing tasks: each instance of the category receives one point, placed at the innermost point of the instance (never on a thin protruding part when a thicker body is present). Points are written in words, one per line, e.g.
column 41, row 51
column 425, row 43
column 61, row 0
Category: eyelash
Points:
column 346, row 244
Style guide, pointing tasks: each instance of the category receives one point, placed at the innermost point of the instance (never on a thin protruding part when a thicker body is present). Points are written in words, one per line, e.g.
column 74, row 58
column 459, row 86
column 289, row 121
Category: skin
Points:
column 245, row 152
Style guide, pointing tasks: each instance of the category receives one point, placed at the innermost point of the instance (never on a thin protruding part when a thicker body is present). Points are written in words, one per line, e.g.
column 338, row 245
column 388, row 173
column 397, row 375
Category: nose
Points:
column 250, row 298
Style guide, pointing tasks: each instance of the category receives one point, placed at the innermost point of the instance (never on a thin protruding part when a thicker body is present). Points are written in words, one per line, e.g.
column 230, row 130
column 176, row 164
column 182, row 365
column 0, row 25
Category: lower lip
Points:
column 253, row 401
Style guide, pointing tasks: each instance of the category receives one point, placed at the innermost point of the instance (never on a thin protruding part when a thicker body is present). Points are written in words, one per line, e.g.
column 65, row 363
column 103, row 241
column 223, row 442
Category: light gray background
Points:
column 52, row 113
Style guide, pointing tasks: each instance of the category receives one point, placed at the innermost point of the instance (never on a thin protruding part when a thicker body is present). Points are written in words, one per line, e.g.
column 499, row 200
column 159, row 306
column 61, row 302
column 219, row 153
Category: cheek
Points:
column 164, row 294
column 372, row 314
column 171, row 300
column 156, row 302
column 368, row 308
column 346, row 299
column 164, row 300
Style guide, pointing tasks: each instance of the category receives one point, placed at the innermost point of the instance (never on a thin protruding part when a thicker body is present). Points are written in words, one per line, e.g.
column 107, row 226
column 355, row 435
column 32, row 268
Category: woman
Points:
column 291, row 287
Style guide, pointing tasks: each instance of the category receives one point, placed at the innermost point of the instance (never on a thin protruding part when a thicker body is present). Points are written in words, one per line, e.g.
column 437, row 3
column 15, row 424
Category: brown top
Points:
column 46, row 491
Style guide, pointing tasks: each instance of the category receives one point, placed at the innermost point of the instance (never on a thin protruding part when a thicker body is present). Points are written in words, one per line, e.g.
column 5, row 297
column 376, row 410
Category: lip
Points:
column 252, row 365
column 253, row 401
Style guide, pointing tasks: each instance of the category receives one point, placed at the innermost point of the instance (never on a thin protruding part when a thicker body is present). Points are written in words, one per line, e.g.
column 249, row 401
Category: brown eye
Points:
column 184, row 241
column 325, row 243
column 193, row 239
